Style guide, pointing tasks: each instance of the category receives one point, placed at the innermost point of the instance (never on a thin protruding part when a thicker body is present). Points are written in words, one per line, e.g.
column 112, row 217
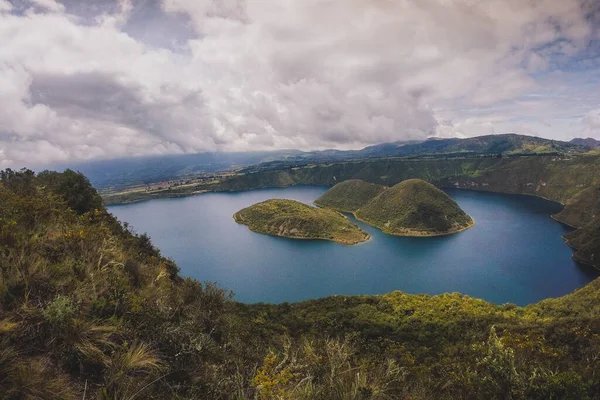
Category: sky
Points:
column 101, row 79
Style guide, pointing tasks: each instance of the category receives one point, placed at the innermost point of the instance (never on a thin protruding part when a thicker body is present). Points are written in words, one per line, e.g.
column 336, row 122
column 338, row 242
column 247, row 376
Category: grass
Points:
column 415, row 208
column 410, row 208
column 292, row 219
column 350, row 195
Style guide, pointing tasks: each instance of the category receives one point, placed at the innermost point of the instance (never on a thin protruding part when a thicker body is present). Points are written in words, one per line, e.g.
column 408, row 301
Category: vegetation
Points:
column 414, row 208
column 292, row 219
column 350, row 195
column 91, row 310
column 588, row 142
column 506, row 144
column 587, row 243
column 581, row 208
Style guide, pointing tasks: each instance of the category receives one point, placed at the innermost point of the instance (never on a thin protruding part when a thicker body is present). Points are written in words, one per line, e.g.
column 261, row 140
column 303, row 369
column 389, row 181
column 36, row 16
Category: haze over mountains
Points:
column 144, row 170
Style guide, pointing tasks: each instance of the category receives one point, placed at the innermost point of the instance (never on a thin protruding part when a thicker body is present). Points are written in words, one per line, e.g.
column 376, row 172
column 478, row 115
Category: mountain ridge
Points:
column 146, row 170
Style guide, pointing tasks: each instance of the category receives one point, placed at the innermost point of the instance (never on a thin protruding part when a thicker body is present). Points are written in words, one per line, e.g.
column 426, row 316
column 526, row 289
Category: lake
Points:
column 514, row 253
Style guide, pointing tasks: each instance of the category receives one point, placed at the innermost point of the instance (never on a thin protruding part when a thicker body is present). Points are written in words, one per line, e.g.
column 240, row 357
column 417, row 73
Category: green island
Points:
column 350, row 195
column 292, row 219
column 410, row 208
column 89, row 309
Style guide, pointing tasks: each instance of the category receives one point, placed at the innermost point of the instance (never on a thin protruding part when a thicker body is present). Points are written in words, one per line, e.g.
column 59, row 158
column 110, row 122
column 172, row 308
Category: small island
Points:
column 411, row 208
column 349, row 196
column 292, row 219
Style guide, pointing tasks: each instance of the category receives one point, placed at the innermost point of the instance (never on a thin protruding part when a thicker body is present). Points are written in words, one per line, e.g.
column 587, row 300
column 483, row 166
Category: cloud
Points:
column 5, row 6
column 49, row 5
column 119, row 78
column 591, row 122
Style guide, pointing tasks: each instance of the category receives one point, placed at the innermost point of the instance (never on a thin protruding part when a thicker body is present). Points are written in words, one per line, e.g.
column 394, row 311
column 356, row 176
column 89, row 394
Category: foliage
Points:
column 349, row 195
column 74, row 188
column 89, row 309
column 290, row 218
column 414, row 207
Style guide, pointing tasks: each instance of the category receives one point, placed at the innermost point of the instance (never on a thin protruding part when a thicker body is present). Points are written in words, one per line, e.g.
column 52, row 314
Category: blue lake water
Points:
column 514, row 253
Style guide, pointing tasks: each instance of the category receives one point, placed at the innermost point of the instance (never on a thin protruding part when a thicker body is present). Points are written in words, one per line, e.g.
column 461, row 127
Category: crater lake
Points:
column 514, row 253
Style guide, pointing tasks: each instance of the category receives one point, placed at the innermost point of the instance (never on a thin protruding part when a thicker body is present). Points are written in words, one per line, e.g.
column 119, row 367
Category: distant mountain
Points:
column 490, row 145
column 505, row 144
column 142, row 170
column 590, row 142
column 145, row 170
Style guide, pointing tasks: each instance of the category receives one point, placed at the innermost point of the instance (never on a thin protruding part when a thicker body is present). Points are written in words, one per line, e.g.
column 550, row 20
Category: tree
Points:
column 75, row 189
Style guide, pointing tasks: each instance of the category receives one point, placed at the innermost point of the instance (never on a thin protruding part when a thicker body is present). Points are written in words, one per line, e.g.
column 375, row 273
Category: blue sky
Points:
column 103, row 79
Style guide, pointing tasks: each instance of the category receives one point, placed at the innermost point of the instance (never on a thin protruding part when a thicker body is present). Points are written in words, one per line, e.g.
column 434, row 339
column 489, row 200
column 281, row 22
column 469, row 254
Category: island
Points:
column 411, row 208
column 292, row 219
column 350, row 195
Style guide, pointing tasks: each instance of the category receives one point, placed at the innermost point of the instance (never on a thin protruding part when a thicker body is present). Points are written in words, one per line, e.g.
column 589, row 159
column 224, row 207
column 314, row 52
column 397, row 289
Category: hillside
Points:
column 586, row 242
column 414, row 208
column 349, row 195
column 144, row 170
column 91, row 310
column 582, row 208
column 292, row 219
column 589, row 142
column 503, row 144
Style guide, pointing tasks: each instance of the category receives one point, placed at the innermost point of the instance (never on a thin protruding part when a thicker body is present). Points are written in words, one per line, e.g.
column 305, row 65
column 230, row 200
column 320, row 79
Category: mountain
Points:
column 144, row 170
column 481, row 146
column 589, row 142
column 292, row 219
column 350, row 195
column 504, row 144
column 123, row 172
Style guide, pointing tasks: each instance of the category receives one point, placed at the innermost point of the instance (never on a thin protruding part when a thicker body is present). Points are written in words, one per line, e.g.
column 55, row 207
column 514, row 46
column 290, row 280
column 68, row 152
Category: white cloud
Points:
column 303, row 74
column 5, row 6
column 49, row 5
column 591, row 122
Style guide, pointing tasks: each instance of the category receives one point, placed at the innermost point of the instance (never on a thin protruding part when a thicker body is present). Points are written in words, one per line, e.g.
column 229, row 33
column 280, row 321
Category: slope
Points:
column 292, row 219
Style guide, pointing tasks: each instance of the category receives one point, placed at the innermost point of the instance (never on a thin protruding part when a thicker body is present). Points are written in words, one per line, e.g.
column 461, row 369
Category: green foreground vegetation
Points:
column 91, row 310
column 410, row 208
column 293, row 219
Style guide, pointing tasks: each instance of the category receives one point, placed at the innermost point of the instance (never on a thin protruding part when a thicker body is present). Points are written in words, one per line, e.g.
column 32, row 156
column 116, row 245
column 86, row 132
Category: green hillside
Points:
column 586, row 241
column 414, row 208
column 504, row 144
column 292, row 219
column 349, row 195
column 91, row 310
column 582, row 208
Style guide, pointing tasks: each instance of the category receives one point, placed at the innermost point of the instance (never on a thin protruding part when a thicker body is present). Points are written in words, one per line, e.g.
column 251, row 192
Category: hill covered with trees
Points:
column 415, row 208
column 89, row 309
column 410, row 208
column 350, row 195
